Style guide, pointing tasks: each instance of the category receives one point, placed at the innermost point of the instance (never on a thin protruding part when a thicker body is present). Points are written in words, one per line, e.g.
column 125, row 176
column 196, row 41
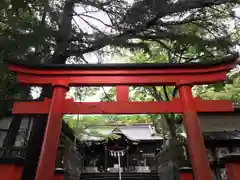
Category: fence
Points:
column 168, row 171
column 170, row 159
column 73, row 164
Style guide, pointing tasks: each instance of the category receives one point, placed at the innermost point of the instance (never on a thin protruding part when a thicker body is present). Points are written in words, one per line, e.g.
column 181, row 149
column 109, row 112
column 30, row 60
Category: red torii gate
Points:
column 183, row 76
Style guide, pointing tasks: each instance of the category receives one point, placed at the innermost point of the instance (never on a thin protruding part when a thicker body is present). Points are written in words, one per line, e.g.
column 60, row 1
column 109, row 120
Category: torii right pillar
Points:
column 200, row 164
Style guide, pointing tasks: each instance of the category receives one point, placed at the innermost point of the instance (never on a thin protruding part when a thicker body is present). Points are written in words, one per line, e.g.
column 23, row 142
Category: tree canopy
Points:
column 54, row 31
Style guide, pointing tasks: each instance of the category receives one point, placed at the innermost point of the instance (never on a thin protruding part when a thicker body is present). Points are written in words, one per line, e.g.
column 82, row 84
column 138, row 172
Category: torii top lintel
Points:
column 123, row 74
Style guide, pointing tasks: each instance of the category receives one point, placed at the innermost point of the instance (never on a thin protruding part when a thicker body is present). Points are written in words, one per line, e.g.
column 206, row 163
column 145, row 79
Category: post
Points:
column 127, row 160
column 11, row 168
column 105, row 159
column 59, row 174
column 46, row 164
column 199, row 159
column 232, row 165
column 186, row 173
column 122, row 93
column 119, row 167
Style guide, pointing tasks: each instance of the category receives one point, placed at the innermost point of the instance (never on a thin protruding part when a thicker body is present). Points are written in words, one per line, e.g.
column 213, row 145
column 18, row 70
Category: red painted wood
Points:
column 58, row 177
column 14, row 172
column 122, row 93
column 186, row 176
column 18, row 171
column 122, row 79
column 210, row 105
column 233, row 170
column 164, row 71
column 46, row 165
column 10, row 172
column 71, row 107
column 199, row 159
column 82, row 77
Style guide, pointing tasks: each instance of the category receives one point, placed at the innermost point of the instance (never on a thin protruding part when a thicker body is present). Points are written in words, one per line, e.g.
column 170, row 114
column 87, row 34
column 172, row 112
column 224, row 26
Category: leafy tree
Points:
column 81, row 123
column 228, row 90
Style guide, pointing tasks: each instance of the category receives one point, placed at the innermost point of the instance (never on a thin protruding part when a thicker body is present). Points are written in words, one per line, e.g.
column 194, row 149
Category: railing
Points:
column 129, row 164
column 130, row 169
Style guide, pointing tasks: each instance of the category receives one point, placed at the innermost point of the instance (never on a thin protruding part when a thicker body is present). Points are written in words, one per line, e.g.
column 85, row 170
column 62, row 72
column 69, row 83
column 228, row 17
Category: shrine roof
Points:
column 139, row 132
column 222, row 135
column 229, row 59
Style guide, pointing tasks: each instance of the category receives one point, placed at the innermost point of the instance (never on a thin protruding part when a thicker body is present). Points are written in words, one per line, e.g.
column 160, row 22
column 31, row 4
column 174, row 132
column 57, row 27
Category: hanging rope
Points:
column 118, row 154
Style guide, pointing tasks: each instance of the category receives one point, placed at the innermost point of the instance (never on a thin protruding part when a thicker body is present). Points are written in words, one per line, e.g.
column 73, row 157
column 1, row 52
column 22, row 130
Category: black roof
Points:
column 221, row 135
column 225, row 60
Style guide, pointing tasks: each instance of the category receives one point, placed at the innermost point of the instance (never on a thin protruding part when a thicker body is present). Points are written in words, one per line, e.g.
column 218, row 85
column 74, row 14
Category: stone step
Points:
column 115, row 176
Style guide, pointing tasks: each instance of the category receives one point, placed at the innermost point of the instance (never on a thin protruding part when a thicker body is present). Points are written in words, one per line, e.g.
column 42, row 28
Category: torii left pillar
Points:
column 51, row 136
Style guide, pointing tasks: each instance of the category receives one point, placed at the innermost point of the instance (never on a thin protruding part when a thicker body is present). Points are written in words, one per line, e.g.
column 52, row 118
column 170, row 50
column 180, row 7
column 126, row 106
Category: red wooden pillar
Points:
column 122, row 93
column 232, row 165
column 59, row 174
column 10, row 172
column 46, row 164
column 186, row 173
column 199, row 159
column 11, row 168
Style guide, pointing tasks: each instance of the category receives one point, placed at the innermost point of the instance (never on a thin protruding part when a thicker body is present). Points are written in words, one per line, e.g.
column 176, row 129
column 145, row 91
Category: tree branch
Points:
column 165, row 93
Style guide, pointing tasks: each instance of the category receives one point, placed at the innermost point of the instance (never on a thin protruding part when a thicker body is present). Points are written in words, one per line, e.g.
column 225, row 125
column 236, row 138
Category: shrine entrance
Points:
column 182, row 76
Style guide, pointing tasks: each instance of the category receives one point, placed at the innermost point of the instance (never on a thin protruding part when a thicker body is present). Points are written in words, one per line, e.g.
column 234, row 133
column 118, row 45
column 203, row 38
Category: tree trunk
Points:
column 39, row 124
column 172, row 130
